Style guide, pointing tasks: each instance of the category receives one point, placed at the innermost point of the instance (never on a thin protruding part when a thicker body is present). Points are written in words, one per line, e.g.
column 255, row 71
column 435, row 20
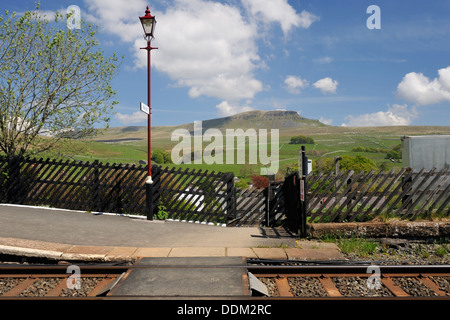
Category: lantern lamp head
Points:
column 148, row 24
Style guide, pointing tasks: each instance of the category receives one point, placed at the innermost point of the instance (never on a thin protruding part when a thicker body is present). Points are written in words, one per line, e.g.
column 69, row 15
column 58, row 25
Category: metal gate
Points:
column 285, row 204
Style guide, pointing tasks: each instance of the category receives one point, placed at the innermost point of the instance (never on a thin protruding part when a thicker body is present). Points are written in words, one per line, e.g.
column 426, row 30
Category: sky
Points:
column 345, row 63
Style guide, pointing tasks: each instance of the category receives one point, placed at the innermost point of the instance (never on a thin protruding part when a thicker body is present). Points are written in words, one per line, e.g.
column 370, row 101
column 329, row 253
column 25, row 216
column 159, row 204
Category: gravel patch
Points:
column 306, row 287
column 271, row 286
column 414, row 287
column 7, row 284
column 443, row 283
column 358, row 287
column 87, row 285
column 40, row 287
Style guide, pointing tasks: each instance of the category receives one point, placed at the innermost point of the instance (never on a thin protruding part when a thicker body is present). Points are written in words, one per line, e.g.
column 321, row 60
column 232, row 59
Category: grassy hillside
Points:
column 129, row 144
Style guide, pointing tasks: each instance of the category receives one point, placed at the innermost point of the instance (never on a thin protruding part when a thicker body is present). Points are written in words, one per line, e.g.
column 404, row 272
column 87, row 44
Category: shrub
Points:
column 368, row 149
column 395, row 153
column 347, row 163
column 301, row 139
column 162, row 213
column 260, row 182
column 161, row 157
column 241, row 184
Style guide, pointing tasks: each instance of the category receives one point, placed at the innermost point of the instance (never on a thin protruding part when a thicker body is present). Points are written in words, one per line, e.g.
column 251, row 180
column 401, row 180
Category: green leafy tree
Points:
column 54, row 81
column 301, row 139
column 347, row 163
column 161, row 157
column 357, row 164
column 395, row 153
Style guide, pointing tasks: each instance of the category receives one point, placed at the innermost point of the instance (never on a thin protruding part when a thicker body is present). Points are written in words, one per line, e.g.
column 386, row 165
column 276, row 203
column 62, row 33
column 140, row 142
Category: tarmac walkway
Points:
column 73, row 235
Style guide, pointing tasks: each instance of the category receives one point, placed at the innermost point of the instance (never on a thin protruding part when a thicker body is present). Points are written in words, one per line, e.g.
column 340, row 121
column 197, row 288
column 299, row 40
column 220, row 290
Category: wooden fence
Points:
column 407, row 194
column 212, row 197
column 187, row 195
column 76, row 185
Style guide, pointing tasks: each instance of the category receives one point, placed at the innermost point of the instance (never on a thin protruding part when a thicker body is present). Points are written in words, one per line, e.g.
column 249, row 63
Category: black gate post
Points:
column 149, row 196
column 303, row 186
column 153, row 191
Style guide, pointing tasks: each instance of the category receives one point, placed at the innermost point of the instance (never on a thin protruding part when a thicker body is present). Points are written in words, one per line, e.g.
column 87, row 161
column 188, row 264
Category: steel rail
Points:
column 280, row 274
column 387, row 276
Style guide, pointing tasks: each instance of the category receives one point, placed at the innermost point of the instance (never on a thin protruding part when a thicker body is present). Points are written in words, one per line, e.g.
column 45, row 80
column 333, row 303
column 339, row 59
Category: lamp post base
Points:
column 149, row 200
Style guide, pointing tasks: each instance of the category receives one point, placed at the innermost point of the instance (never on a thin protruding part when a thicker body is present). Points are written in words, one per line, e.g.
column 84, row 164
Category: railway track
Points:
column 58, row 281
column 360, row 281
column 273, row 281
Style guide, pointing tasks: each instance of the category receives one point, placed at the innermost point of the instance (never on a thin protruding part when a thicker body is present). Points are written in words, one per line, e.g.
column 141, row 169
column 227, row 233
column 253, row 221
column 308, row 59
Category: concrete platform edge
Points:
column 47, row 250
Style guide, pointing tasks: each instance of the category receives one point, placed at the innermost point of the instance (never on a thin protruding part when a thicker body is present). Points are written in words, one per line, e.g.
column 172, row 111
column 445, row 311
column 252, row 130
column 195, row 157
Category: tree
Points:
column 301, row 139
column 54, row 81
column 161, row 157
column 395, row 153
column 347, row 163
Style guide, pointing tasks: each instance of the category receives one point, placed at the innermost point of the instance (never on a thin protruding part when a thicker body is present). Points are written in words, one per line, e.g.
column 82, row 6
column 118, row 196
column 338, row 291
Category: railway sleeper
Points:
column 354, row 285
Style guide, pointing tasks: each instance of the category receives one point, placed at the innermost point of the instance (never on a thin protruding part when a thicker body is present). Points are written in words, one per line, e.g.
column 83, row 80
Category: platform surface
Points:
column 73, row 236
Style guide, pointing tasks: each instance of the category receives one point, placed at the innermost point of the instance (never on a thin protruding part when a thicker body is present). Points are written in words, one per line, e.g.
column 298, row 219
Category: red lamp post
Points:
column 148, row 24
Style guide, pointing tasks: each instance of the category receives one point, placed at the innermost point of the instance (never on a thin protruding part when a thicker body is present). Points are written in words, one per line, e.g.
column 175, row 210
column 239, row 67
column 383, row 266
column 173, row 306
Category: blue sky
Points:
column 319, row 58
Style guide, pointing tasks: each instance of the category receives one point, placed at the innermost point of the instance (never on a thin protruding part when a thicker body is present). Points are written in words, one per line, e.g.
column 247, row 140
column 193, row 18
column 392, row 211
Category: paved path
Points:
column 68, row 234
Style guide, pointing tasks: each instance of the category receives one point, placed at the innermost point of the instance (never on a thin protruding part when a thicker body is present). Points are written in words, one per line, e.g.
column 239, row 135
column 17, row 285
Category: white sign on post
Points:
column 145, row 108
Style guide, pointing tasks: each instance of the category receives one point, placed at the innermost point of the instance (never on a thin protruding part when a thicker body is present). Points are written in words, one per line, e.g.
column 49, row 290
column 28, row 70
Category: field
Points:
column 129, row 145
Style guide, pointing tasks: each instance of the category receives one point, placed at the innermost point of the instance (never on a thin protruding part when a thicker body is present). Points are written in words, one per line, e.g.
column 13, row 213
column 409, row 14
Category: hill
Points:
column 252, row 119
column 129, row 144
column 289, row 123
column 262, row 120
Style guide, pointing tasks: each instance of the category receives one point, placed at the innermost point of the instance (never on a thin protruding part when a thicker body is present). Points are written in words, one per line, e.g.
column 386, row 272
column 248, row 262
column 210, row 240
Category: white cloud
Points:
column 208, row 47
column 225, row 109
column 326, row 85
column 117, row 17
column 134, row 118
column 281, row 12
column 397, row 115
column 294, row 84
column 419, row 89
column 326, row 121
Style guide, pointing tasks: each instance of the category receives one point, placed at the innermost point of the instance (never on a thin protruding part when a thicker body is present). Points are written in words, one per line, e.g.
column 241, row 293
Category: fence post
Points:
column 231, row 198
column 14, row 179
column 303, row 187
column 269, row 198
column 149, row 198
column 153, row 191
column 149, row 194
column 95, row 187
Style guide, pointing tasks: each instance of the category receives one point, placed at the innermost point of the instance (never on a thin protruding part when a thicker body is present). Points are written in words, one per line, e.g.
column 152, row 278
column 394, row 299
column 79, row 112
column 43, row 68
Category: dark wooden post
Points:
column 231, row 198
column 303, row 198
column 269, row 197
